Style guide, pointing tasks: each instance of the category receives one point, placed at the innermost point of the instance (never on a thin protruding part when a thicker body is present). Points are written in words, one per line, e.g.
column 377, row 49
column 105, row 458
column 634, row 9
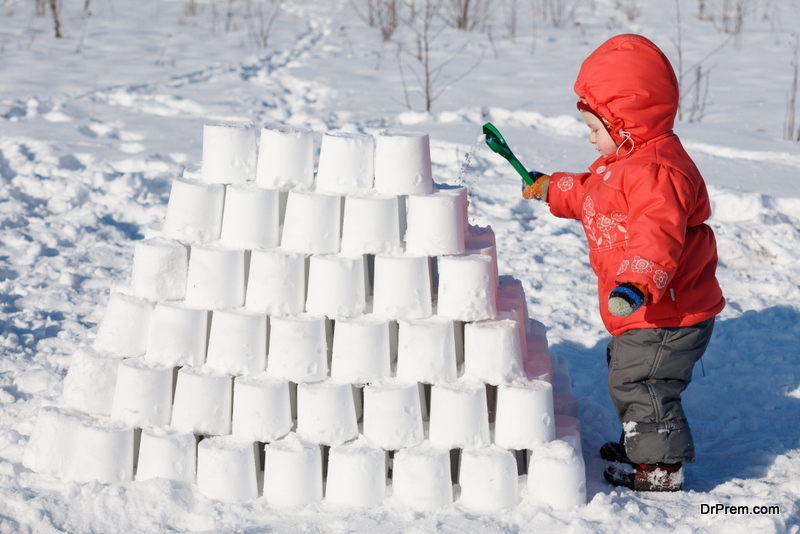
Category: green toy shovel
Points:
column 498, row 145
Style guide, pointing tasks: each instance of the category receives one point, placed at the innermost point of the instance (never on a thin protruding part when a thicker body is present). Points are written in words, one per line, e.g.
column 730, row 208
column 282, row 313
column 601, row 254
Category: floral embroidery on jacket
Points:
column 588, row 209
column 604, row 222
column 602, row 228
column 660, row 278
column 565, row 183
column 641, row 265
column 623, row 267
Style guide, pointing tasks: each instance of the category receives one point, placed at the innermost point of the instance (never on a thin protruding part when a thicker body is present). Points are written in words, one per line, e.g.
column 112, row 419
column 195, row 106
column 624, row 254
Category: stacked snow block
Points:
column 285, row 329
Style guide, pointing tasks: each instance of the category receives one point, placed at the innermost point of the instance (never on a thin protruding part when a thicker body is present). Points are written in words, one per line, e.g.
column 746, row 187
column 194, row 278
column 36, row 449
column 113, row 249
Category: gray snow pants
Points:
column 647, row 371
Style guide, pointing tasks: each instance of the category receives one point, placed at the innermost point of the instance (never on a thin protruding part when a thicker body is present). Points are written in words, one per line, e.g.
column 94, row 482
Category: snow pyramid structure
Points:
column 296, row 340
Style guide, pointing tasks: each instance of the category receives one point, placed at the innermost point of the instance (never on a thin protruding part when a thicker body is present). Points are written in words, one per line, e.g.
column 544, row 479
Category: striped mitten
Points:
column 627, row 298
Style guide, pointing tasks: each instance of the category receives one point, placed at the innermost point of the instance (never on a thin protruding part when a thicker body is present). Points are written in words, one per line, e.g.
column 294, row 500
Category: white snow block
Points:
column 154, row 230
column 426, row 350
column 90, row 381
column 160, row 267
column 192, row 172
column 482, row 233
column 537, row 366
column 356, row 475
column 262, row 408
column 542, row 357
column 536, row 342
column 124, row 328
column 336, row 286
column 510, row 290
column 393, row 414
column 237, row 341
column 571, row 436
column 166, row 453
column 52, row 443
column 566, row 422
column 559, row 364
column 103, row 452
column 229, row 153
column 203, row 402
column 346, row 163
column 465, row 289
column 226, row 469
column 421, row 477
column 511, row 299
column 371, row 225
column 491, row 351
column 565, row 404
column 462, row 192
column 313, row 223
column 251, row 217
column 557, row 476
column 292, row 472
column 436, row 223
column 535, row 328
column 488, row 479
column 194, row 211
column 562, row 383
column 459, row 416
column 285, row 157
column 326, row 412
column 475, row 247
column 403, row 163
column 517, row 309
column 524, row 418
column 276, row 284
column 402, row 287
column 509, row 287
column 298, row 348
column 178, row 334
column 216, row 277
column 361, row 350
column 143, row 395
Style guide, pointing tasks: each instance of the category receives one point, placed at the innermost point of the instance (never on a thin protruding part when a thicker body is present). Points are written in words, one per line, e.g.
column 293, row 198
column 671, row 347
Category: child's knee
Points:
column 665, row 442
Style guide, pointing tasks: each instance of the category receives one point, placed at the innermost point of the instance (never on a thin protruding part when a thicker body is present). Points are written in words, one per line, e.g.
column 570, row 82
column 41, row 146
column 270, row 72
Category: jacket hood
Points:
column 630, row 82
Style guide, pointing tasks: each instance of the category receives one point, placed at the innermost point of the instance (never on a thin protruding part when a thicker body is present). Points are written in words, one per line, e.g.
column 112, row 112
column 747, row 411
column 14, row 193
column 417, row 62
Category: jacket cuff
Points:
column 651, row 275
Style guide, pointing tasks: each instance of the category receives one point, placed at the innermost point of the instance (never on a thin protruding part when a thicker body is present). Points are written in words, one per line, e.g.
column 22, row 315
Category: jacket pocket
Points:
column 666, row 308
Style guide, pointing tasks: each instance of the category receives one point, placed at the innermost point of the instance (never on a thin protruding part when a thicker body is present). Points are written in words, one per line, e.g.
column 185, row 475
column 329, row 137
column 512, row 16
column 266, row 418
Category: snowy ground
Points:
column 95, row 125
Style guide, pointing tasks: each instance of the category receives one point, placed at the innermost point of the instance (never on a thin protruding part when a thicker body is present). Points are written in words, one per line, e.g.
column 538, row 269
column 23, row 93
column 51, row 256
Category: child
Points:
column 643, row 206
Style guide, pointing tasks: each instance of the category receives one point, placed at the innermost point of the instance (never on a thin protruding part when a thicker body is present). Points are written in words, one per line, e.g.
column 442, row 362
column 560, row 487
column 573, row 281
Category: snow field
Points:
column 260, row 371
column 131, row 86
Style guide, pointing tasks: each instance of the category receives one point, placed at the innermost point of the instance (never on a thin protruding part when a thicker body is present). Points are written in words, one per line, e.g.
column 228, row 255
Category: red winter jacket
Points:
column 644, row 210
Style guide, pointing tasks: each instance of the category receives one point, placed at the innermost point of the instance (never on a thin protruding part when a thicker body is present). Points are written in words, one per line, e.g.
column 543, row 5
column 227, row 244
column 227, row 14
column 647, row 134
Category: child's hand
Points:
column 627, row 298
column 538, row 190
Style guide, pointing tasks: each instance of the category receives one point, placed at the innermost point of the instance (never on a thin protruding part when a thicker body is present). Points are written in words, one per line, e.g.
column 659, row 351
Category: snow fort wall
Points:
column 337, row 322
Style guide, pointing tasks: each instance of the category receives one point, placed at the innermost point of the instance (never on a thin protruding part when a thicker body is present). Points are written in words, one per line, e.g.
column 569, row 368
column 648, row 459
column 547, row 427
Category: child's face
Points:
column 599, row 136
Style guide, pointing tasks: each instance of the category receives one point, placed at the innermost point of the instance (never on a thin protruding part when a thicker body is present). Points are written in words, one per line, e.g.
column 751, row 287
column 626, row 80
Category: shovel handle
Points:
column 498, row 145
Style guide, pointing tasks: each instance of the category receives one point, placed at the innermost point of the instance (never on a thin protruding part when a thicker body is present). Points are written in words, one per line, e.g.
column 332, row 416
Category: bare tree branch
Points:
column 56, row 24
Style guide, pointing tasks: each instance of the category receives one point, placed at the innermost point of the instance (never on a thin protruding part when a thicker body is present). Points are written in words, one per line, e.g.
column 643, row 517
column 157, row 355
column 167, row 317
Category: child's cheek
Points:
column 608, row 148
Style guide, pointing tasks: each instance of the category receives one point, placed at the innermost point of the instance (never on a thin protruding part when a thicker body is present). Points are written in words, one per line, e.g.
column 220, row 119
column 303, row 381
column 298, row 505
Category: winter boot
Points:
column 646, row 477
column 614, row 452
